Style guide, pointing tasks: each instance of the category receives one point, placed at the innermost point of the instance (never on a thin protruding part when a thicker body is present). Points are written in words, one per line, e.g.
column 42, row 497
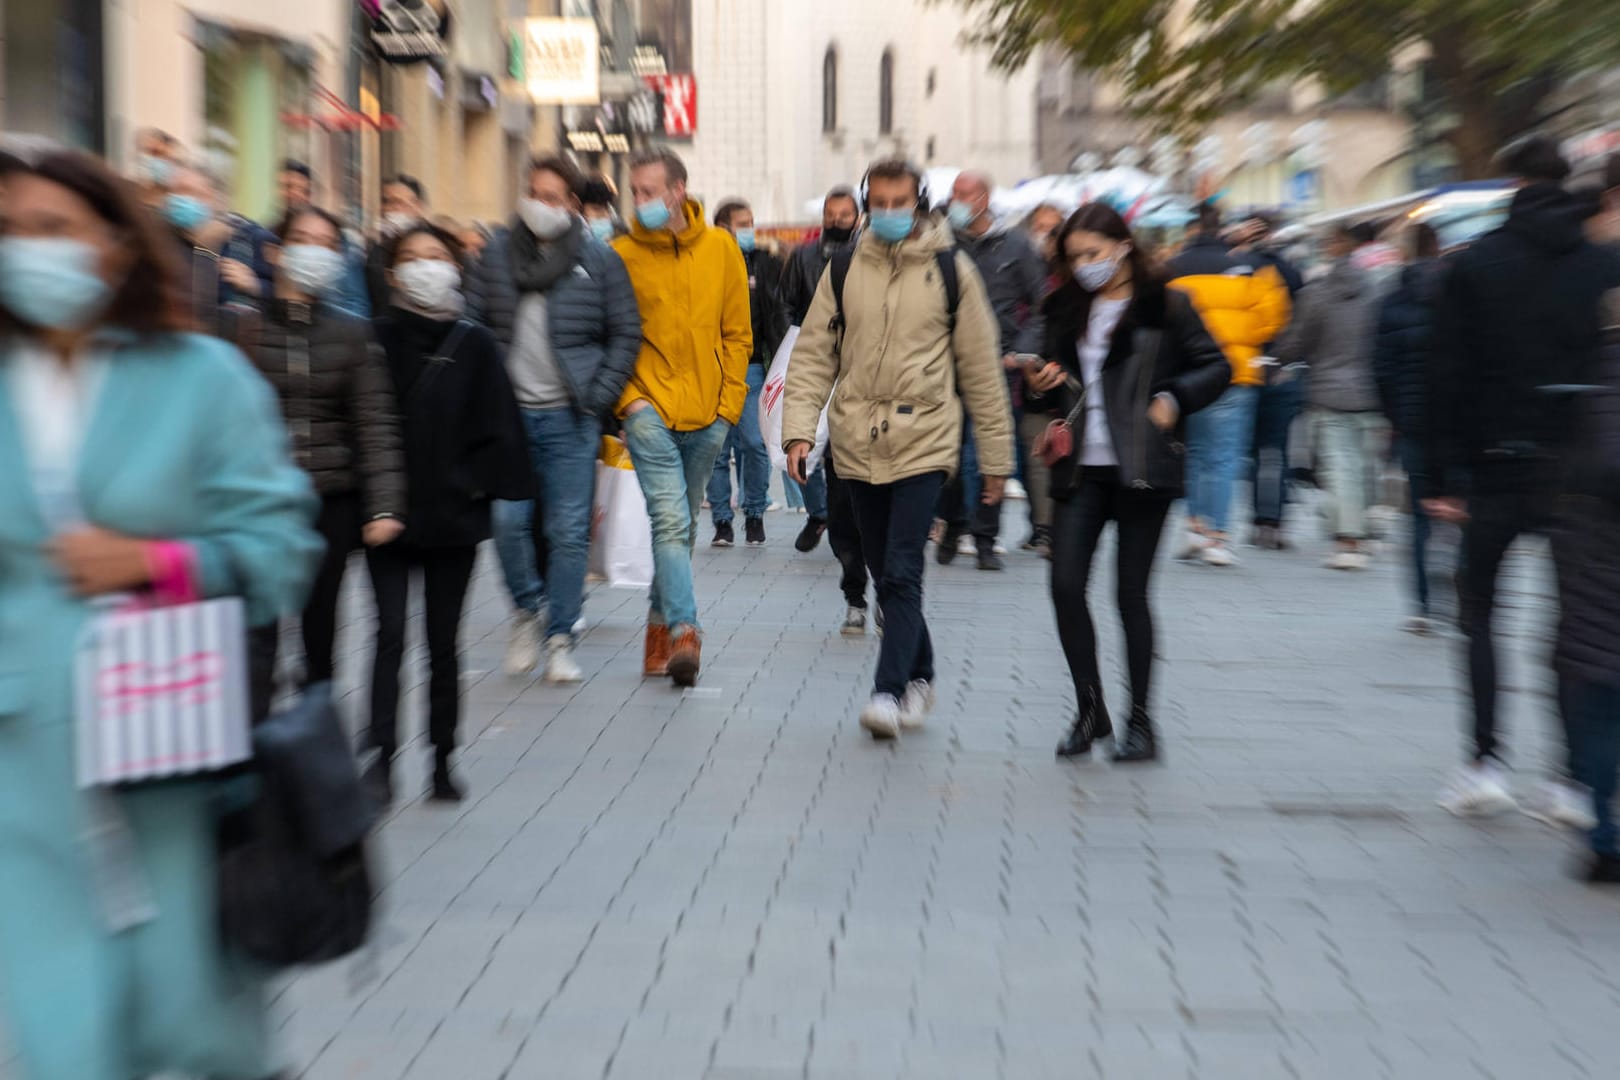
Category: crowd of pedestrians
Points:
column 271, row 399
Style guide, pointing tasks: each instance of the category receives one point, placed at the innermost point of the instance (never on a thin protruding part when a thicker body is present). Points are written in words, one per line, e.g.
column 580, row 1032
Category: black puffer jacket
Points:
column 335, row 396
column 1405, row 344
column 1584, row 541
column 1159, row 346
column 1518, row 313
column 765, row 304
column 802, row 275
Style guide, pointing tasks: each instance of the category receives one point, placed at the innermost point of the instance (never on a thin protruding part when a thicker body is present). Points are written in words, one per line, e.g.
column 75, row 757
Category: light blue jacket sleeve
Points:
column 258, row 541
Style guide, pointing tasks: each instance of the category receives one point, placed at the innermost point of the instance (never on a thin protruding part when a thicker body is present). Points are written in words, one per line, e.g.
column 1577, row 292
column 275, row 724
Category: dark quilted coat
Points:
column 1405, row 346
column 336, row 398
column 591, row 313
column 1586, row 542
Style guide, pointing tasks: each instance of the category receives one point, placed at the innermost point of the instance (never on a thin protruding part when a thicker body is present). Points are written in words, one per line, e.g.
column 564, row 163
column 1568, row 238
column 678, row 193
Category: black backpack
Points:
column 838, row 268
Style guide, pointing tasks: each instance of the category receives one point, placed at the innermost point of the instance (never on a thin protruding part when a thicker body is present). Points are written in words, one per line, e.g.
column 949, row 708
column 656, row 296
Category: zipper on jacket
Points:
column 299, row 368
column 1144, row 386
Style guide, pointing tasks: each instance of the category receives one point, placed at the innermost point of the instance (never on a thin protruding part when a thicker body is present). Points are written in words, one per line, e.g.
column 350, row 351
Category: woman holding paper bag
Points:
column 134, row 458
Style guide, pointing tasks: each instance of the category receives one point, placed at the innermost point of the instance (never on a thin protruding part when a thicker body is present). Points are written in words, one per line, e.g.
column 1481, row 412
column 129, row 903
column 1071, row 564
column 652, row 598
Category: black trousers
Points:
column 445, row 573
column 1077, row 526
column 1495, row 521
column 894, row 521
column 844, row 535
column 339, row 525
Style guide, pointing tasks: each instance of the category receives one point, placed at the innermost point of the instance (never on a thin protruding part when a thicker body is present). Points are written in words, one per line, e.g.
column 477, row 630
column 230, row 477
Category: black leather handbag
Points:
column 294, row 884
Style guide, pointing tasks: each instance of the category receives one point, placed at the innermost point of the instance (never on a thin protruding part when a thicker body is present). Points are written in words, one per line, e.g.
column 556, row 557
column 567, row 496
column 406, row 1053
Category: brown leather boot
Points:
column 655, row 654
column 685, row 657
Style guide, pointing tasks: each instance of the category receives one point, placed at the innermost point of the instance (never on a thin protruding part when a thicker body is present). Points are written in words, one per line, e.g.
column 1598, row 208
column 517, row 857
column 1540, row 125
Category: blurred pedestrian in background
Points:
column 110, row 948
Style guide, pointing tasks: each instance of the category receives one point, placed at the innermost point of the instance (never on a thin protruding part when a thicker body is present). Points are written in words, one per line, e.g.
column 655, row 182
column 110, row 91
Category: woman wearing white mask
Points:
column 1127, row 361
column 464, row 446
column 329, row 375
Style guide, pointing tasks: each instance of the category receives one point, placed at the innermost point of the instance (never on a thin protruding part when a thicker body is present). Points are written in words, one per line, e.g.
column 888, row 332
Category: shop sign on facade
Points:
column 562, row 61
column 679, row 95
column 408, row 31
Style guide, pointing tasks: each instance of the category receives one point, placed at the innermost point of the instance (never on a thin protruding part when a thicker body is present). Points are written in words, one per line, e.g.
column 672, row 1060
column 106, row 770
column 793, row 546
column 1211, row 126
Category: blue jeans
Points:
column 1278, row 407
column 793, row 492
column 753, row 461
column 563, row 446
column 815, row 494
column 673, row 467
column 1417, row 484
column 1594, row 731
column 1217, row 440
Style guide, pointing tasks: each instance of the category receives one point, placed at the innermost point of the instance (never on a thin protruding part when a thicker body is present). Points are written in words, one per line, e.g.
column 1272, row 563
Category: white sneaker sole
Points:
column 1491, row 807
column 882, row 726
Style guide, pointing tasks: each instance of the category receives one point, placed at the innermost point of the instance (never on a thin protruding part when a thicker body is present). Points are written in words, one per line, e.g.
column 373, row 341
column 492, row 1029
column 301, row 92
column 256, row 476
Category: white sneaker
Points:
column 998, row 547
column 560, row 664
column 1421, row 625
column 1015, row 490
column 523, row 644
column 917, row 703
column 773, row 507
column 1561, row 804
column 1347, row 560
column 1218, row 554
column 854, row 622
column 580, row 626
column 881, row 716
column 1480, row 790
column 967, row 545
column 1194, row 547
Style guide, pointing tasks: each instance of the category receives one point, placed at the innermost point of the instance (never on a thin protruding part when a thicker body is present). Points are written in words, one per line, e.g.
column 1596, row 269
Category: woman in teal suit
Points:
column 133, row 456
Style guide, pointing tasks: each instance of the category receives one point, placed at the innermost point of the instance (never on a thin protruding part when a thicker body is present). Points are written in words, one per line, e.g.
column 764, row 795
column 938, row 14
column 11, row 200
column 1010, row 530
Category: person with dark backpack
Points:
column 900, row 337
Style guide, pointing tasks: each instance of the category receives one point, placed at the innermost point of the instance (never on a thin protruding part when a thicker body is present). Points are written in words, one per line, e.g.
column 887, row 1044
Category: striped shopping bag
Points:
column 162, row 692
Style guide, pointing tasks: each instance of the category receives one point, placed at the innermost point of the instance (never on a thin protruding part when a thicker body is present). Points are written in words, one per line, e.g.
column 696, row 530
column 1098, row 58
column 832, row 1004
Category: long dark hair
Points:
column 1104, row 220
column 152, row 298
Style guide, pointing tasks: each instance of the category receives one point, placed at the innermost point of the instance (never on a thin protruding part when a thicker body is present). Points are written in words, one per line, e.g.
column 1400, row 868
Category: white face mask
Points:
column 545, row 221
column 397, row 222
column 311, row 268
column 1094, row 276
column 431, row 286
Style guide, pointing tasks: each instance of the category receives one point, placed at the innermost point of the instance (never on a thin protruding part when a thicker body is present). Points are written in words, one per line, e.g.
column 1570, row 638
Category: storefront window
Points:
column 250, row 83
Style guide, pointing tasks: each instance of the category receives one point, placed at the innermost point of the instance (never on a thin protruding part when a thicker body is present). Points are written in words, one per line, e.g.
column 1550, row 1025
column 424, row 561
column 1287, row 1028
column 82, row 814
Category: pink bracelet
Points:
column 172, row 565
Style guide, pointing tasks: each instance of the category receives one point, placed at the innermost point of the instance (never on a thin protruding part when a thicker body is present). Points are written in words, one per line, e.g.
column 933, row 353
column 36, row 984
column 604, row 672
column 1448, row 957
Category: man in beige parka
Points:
column 900, row 336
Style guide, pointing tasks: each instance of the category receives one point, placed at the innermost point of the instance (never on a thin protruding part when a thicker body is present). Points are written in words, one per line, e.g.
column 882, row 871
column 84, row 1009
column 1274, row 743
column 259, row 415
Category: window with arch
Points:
column 886, row 93
column 829, row 90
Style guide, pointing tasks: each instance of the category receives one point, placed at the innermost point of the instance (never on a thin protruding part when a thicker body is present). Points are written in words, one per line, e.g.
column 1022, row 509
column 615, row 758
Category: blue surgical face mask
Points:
column 155, row 170
column 52, row 284
column 186, row 212
column 652, row 215
column 745, row 239
column 961, row 216
column 311, row 268
column 602, row 228
column 893, row 226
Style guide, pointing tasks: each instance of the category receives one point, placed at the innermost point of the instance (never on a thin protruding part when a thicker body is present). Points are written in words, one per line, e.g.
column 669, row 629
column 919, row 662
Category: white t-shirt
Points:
column 1096, row 442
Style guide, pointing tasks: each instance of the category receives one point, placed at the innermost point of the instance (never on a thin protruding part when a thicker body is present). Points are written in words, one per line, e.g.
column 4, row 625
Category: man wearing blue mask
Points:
column 901, row 338
column 224, row 252
column 1015, row 279
column 746, row 442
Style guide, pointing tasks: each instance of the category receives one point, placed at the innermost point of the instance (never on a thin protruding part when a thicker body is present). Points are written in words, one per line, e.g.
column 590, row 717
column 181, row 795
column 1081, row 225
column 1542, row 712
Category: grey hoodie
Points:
column 1334, row 331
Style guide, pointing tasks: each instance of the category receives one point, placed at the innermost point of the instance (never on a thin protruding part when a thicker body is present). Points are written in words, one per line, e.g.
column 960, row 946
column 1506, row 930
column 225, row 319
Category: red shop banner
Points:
column 679, row 95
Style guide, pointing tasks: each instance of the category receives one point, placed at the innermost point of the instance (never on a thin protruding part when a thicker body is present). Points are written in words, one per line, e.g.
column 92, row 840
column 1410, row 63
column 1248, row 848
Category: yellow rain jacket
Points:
column 696, row 331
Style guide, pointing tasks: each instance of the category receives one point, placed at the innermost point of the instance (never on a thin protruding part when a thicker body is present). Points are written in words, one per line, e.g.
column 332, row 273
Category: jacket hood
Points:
column 1548, row 217
column 664, row 239
column 934, row 236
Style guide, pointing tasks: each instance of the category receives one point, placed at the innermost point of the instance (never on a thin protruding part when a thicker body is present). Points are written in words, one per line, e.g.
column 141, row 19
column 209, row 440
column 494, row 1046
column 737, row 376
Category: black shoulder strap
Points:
column 440, row 358
column 838, row 266
column 953, row 287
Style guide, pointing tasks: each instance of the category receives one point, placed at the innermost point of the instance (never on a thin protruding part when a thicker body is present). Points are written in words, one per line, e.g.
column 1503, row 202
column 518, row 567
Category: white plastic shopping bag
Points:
column 621, row 533
column 162, row 692
column 771, row 401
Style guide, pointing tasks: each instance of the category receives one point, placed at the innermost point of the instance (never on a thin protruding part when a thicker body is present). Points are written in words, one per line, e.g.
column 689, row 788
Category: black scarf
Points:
column 537, row 266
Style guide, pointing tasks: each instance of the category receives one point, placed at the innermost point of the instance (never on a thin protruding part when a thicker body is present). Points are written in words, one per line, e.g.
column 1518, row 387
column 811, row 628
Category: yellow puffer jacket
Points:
column 696, row 331
column 1245, row 307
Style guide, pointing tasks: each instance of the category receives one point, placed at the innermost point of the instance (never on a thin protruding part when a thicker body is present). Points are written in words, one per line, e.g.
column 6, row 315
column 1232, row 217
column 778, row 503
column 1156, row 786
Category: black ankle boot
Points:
column 1090, row 724
column 1140, row 743
column 445, row 788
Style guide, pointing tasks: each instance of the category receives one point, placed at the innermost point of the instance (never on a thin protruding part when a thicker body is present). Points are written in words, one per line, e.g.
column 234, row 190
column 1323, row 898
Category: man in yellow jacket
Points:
column 1245, row 306
column 688, row 388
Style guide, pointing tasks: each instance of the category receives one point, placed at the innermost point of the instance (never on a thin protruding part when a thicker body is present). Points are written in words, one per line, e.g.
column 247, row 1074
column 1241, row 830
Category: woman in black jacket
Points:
column 341, row 421
column 1127, row 361
column 464, row 446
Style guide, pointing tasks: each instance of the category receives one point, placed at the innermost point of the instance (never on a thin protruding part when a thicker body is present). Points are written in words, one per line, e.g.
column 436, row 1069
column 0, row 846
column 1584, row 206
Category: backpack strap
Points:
column 838, row 268
column 953, row 286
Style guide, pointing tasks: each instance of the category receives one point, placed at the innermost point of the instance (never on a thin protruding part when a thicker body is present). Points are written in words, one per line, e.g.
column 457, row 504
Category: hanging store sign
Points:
column 679, row 96
column 408, row 31
column 562, row 61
